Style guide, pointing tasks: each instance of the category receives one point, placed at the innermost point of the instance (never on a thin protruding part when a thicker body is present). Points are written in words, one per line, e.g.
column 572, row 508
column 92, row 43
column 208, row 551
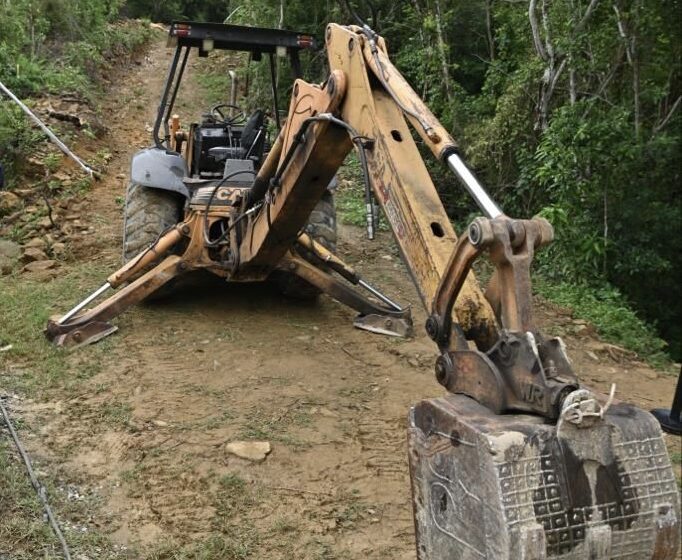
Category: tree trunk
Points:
column 630, row 41
column 442, row 53
column 489, row 28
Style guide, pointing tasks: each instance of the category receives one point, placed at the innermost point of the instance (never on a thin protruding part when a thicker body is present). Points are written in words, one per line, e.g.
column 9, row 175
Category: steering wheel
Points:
column 219, row 116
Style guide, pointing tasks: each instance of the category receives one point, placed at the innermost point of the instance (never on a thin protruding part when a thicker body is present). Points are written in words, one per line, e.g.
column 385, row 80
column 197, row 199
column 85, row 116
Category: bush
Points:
column 612, row 315
column 42, row 61
column 17, row 137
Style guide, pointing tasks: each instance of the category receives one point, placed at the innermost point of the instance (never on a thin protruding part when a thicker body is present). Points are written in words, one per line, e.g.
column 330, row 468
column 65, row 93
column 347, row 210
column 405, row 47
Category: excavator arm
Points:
column 583, row 477
column 366, row 102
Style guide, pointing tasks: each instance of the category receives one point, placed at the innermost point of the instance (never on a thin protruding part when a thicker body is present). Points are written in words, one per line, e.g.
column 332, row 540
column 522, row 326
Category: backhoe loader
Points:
column 517, row 460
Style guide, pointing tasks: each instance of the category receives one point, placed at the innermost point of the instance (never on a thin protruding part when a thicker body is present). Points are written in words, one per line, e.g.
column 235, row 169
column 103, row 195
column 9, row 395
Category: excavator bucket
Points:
column 514, row 487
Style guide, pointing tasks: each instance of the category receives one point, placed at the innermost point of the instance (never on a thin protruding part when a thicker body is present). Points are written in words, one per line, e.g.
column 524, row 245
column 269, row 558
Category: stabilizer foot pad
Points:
column 383, row 324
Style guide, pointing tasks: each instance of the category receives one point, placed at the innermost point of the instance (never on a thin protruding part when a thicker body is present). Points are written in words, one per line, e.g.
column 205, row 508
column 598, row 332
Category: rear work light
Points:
column 304, row 41
column 181, row 30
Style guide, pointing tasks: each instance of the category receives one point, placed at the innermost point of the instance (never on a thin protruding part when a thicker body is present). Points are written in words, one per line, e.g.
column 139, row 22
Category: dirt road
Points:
column 145, row 437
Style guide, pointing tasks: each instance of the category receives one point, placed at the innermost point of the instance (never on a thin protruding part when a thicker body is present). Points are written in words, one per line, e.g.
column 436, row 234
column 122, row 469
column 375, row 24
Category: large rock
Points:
column 9, row 249
column 8, row 202
column 6, row 265
column 38, row 266
column 32, row 254
column 249, row 450
column 36, row 243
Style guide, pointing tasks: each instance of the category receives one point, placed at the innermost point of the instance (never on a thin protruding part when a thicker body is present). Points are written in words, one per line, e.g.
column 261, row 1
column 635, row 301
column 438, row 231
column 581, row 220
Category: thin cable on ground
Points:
column 39, row 488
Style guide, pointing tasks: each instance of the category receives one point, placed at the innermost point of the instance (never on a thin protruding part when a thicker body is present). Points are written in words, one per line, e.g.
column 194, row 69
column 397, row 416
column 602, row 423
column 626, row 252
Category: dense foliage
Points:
column 59, row 45
column 570, row 109
column 566, row 108
column 56, row 46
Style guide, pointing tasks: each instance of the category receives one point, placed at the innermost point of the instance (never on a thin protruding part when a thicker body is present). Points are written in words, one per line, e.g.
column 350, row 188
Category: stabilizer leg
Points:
column 670, row 419
column 389, row 319
column 92, row 325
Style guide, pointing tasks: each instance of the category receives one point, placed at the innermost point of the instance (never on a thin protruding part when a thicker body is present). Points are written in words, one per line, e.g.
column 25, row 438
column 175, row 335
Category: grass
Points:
column 214, row 80
column 25, row 307
column 350, row 204
column 350, row 195
column 273, row 425
column 115, row 414
column 34, row 367
column 25, row 535
column 238, row 537
column 610, row 314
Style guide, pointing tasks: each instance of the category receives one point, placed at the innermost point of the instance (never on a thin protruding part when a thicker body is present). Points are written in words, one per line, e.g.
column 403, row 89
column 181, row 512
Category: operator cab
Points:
column 227, row 145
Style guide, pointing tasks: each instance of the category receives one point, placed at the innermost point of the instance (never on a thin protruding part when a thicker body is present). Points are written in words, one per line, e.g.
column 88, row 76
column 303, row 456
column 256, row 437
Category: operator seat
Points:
column 252, row 141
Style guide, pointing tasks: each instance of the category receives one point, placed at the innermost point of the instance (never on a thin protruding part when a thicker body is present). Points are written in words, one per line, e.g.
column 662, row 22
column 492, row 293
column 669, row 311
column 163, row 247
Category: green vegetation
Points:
column 59, row 46
column 56, row 47
column 569, row 109
column 607, row 309
column 25, row 535
column 25, row 307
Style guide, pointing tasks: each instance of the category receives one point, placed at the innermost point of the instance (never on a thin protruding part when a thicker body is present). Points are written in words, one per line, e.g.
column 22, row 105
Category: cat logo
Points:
column 223, row 194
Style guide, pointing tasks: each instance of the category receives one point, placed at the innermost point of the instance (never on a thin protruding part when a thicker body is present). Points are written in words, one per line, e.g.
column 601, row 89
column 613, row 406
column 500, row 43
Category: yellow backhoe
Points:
column 517, row 459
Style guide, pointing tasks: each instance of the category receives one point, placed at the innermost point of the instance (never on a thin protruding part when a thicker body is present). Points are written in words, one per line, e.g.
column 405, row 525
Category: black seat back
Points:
column 251, row 128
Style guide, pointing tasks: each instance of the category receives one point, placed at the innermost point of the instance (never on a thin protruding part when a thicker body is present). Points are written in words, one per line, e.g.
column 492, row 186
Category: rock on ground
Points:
column 9, row 249
column 37, row 266
column 37, row 243
column 6, row 265
column 8, row 201
column 249, row 450
column 32, row 254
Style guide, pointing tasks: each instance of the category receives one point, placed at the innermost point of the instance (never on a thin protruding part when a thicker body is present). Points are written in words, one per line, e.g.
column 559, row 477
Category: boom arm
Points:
column 496, row 356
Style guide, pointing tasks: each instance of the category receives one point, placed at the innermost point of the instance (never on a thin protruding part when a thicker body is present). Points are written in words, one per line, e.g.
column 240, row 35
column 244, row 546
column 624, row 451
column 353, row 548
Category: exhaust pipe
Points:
column 233, row 91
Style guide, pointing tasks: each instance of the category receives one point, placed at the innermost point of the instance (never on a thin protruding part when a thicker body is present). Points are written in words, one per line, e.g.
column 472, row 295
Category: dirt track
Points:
column 147, row 433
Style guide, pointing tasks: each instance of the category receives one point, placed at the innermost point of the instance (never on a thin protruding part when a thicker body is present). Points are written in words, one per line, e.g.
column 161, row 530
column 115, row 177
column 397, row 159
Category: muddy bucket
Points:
column 513, row 487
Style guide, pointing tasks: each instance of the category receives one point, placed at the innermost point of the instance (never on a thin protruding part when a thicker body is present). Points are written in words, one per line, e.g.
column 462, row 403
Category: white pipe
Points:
column 47, row 131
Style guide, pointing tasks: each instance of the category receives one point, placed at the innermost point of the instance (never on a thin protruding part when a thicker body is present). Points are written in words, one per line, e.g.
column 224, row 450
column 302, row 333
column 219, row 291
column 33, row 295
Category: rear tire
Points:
column 322, row 228
column 148, row 213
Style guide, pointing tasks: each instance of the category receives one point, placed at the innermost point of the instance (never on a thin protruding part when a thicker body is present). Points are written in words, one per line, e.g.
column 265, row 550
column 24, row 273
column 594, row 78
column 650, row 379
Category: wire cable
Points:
column 38, row 487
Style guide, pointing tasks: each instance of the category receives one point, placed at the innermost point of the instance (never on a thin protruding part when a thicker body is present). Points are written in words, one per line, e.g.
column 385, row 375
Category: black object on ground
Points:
column 671, row 419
